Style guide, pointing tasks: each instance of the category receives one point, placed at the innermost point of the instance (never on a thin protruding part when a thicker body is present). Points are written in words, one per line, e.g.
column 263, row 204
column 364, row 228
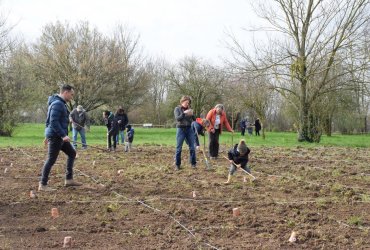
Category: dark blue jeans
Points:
column 182, row 134
column 56, row 145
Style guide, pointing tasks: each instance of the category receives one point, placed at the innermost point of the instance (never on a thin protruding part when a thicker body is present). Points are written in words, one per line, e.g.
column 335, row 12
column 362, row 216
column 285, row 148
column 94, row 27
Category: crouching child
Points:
column 238, row 157
column 129, row 138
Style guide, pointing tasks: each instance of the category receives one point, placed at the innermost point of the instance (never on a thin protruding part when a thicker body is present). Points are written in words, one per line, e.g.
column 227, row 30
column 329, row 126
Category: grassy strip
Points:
column 30, row 134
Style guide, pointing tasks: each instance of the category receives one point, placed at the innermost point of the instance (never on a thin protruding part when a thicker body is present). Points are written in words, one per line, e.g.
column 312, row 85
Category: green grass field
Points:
column 33, row 134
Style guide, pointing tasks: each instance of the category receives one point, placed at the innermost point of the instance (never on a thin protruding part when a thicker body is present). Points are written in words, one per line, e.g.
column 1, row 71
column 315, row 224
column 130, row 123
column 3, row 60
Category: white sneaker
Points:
column 45, row 188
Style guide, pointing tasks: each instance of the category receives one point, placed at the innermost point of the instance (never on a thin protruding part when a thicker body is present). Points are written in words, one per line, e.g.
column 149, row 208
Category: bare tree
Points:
column 314, row 33
column 73, row 55
column 158, row 90
column 201, row 81
column 129, row 77
column 253, row 93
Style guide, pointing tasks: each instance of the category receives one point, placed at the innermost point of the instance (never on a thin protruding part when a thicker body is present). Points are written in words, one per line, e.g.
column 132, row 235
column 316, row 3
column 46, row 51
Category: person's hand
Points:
column 45, row 141
column 231, row 161
column 212, row 130
column 197, row 147
column 66, row 139
column 188, row 112
column 119, row 121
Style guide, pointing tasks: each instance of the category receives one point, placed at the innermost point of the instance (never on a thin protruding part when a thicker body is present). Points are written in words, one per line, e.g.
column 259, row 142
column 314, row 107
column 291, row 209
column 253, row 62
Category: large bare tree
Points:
column 312, row 37
column 129, row 77
column 202, row 81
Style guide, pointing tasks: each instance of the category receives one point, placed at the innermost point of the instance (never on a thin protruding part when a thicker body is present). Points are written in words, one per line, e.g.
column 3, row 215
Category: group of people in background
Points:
column 116, row 125
column 245, row 125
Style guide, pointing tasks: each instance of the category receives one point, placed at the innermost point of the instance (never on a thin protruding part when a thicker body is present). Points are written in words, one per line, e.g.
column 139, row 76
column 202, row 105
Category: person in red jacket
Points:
column 217, row 118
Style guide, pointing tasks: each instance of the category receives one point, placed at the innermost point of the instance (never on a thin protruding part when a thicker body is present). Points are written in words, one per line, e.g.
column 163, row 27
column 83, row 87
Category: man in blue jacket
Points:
column 56, row 136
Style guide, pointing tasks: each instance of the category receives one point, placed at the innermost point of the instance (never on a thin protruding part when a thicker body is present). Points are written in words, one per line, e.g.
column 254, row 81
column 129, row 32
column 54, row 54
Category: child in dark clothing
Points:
column 238, row 157
column 112, row 129
column 129, row 138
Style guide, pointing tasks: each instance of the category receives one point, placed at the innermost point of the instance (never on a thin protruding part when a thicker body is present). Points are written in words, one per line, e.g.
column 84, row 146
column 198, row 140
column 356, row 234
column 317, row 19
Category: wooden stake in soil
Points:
column 32, row 194
column 54, row 212
column 11, row 164
column 5, row 170
column 67, row 242
column 293, row 237
column 120, row 171
column 236, row 211
column 194, row 194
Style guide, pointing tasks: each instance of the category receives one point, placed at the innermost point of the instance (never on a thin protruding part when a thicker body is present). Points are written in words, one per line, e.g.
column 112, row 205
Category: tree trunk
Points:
column 304, row 126
column 327, row 126
column 365, row 127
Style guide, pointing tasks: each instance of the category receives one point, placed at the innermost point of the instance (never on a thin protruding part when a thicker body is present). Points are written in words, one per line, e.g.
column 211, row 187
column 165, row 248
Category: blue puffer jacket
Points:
column 57, row 118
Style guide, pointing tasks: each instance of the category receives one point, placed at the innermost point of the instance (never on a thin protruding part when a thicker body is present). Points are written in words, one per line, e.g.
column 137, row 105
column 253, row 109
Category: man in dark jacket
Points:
column 56, row 136
column 80, row 124
column 112, row 129
column 122, row 123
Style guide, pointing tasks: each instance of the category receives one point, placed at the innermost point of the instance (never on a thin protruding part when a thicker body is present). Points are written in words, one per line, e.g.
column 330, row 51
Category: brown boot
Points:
column 71, row 183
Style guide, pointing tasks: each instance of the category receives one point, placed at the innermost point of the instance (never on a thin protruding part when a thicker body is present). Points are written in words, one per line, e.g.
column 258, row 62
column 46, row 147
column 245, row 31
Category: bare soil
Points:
column 322, row 194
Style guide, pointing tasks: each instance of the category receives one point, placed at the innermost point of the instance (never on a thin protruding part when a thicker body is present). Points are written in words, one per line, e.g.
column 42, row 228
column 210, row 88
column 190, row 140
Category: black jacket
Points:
column 182, row 120
column 234, row 155
column 124, row 121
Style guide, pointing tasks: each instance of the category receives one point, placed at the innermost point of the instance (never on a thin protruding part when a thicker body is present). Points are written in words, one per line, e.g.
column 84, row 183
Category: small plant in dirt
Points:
column 291, row 223
column 365, row 197
column 336, row 173
column 355, row 220
column 321, row 202
column 336, row 188
column 112, row 207
column 238, row 185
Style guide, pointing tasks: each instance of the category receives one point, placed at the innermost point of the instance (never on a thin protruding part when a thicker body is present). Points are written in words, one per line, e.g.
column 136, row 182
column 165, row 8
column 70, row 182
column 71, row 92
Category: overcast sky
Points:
column 168, row 28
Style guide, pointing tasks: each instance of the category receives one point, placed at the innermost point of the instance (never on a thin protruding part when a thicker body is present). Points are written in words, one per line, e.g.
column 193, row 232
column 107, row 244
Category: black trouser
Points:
column 257, row 132
column 243, row 131
column 213, row 143
column 110, row 137
column 55, row 145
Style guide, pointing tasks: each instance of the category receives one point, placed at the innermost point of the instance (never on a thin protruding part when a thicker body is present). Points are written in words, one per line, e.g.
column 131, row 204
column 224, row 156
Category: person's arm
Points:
column 209, row 118
column 124, row 121
column 178, row 114
column 194, row 128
